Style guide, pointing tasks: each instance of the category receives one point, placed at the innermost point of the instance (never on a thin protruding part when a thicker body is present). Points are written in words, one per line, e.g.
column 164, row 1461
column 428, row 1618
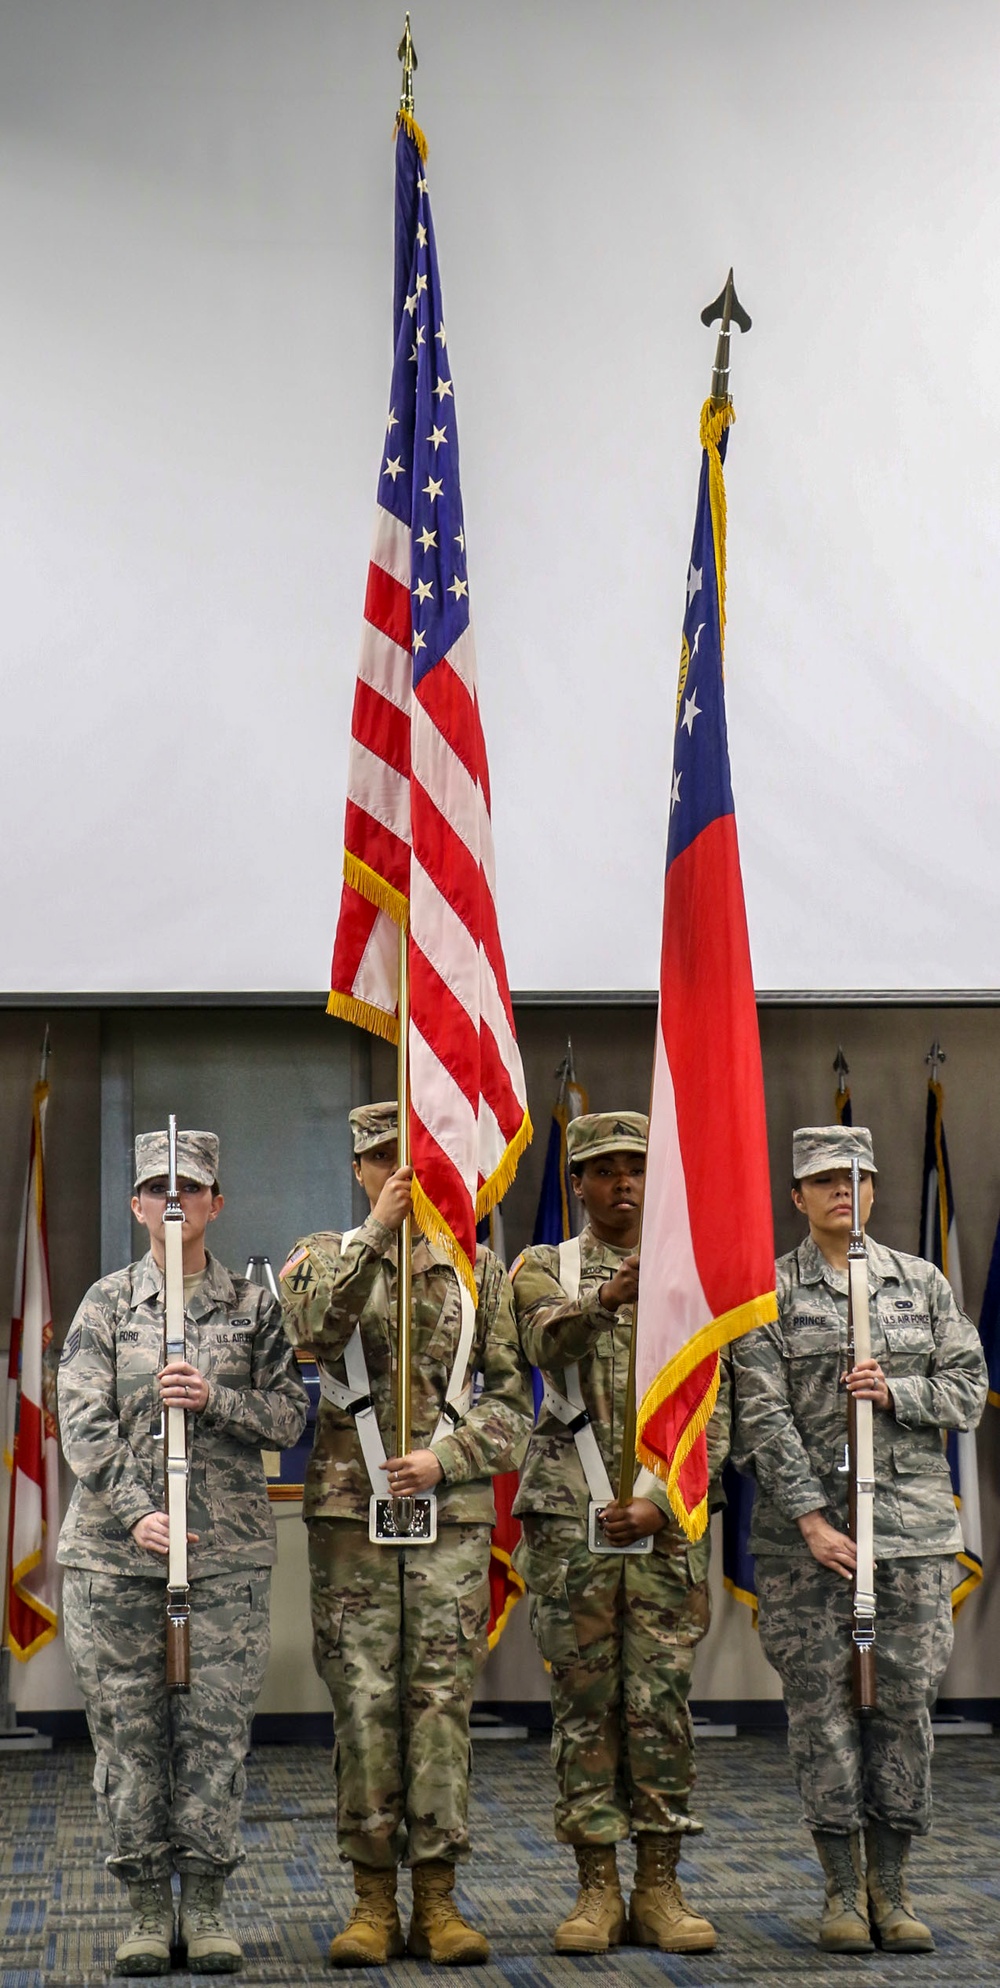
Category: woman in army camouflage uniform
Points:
column 169, row 1773
column 399, row 1631
column 865, row 1782
column 618, row 1631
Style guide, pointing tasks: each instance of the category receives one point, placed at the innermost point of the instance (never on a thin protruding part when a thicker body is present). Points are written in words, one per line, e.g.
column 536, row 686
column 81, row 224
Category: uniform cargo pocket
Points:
column 553, row 1627
column 474, row 1619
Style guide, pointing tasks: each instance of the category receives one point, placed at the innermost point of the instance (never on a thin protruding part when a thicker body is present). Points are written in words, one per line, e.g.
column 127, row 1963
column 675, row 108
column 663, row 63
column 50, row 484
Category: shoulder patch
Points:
column 515, row 1266
column 72, row 1346
column 297, row 1272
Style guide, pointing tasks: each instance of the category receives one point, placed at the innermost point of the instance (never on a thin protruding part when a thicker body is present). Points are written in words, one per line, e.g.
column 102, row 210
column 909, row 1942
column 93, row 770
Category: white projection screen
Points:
column 195, row 344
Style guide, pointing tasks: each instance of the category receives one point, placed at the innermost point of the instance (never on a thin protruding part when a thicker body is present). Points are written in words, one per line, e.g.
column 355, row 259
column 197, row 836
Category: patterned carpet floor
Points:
column 752, row 1872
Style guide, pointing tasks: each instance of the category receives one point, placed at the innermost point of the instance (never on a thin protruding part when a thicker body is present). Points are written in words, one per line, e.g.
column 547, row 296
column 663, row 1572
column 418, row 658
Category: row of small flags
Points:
column 938, row 1243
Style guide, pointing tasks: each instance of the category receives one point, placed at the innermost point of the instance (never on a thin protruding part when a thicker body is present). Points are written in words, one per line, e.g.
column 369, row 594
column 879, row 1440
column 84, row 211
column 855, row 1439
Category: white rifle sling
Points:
column 570, row 1408
column 864, row 1581
column 356, row 1400
column 176, row 1431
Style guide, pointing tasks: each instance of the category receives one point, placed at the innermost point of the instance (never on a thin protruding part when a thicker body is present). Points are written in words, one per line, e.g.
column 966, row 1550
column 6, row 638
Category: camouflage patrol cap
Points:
column 817, row 1147
column 373, row 1124
column 605, row 1132
column 197, row 1157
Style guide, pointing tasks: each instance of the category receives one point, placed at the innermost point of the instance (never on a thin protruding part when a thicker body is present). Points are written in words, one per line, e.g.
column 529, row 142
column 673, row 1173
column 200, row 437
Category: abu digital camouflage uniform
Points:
column 169, row 1773
column 791, row 1433
column 618, row 1630
column 399, row 1632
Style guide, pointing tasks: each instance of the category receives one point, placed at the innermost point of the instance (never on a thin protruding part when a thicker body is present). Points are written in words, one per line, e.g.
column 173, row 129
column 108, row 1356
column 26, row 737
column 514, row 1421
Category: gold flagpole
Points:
column 402, row 1508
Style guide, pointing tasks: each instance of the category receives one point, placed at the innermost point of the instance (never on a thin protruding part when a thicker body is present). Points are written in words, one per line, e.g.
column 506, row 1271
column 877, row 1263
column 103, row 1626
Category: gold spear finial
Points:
column 408, row 57
column 842, row 1069
column 727, row 306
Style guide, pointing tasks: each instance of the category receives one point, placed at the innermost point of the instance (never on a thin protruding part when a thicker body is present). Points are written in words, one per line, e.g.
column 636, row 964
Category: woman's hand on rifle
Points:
column 153, row 1532
column 867, row 1382
column 182, row 1386
column 831, row 1548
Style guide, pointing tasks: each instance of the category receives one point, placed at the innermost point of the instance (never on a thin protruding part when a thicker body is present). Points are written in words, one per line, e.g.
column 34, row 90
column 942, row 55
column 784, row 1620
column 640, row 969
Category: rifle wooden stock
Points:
column 861, row 1468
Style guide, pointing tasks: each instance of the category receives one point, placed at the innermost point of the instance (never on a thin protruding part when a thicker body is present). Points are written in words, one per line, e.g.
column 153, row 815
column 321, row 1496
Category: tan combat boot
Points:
column 437, row 1929
column 844, row 1926
column 897, row 1928
column 146, row 1946
column 597, row 1920
column 212, row 1948
column 373, row 1933
column 659, row 1915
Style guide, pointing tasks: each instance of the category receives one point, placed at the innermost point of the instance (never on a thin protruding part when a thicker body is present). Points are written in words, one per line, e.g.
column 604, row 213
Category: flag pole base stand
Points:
column 15, row 1738
column 383, row 1529
column 597, row 1542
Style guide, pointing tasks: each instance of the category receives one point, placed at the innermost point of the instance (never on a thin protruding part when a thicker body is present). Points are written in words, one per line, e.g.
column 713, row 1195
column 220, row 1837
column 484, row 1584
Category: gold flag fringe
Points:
column 364, row 1015
column 714, row 422
column 406, row 122
column 502, row 1177
column 514, row 1593
column 717, row 1333
column 435, row 1228
column 376, row 890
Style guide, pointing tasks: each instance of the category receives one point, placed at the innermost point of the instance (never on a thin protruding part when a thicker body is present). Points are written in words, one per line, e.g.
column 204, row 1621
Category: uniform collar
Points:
column 593, row 1250
column 216, row 1286
column 814, row 1268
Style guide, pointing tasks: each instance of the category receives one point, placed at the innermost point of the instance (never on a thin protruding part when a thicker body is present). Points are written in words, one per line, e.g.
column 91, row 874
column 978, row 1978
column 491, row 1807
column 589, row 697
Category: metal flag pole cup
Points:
column 403, row 1521
column 176, row 1458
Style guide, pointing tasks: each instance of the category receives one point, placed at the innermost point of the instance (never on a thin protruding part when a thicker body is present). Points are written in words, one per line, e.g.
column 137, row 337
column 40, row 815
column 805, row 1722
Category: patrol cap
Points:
column 605, row 1132
column 373, row 1124
column 815, row 1148
column 197, row 1157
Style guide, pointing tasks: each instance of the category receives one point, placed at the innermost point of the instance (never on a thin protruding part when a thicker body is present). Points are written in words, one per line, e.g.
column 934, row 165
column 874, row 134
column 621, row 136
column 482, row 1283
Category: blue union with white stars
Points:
column 419, row 480
column 700, row 786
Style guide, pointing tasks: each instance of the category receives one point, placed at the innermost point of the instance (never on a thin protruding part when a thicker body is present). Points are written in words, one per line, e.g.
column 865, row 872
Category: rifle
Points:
column 175, row 1458
column 860, row 1463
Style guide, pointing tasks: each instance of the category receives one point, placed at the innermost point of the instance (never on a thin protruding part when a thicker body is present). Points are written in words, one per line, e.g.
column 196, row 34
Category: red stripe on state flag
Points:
column 387, row 606
column 381, row 726
column 709, row 1019
column 665, row 1428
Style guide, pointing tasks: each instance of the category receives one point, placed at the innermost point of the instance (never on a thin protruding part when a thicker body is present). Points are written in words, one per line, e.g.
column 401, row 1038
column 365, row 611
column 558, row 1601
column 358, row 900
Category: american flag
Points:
column 707, row 1264
column 418, row 838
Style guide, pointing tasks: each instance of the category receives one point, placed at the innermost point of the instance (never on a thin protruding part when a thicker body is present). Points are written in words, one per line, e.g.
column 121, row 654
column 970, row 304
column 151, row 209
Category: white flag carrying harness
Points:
column 355, row 1399
column 571, row 1410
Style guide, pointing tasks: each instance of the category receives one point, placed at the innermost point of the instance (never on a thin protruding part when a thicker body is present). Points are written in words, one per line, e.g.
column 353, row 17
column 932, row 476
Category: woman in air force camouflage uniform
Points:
column 927, row 1374
column 618, row 1631
column 169, row 1774
column 398, row 1632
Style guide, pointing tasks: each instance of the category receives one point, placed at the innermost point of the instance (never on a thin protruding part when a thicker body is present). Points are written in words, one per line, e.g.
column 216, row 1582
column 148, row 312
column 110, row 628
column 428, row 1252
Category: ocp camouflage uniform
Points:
column 618, row 1630
column 790, row 1433
column 169, row 1773
column 398, row 1633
